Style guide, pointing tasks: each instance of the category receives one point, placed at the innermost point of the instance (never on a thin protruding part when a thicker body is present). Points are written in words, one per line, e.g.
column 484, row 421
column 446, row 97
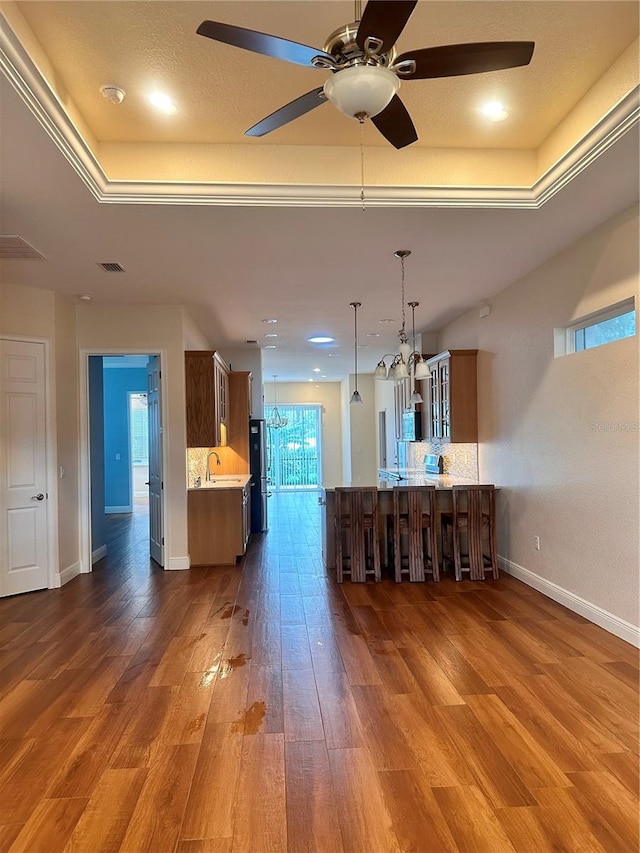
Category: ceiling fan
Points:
column 366, row 71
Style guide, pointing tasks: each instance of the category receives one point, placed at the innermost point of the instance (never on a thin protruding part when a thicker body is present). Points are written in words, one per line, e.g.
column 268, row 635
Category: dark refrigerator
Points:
column 258, row 470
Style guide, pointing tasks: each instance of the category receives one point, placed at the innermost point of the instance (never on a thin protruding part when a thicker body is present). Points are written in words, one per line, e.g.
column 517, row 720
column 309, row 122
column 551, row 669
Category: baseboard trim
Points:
column 611, row 623
column 63, row 577
column 177, row 564
column 111, row 510
column 98, row 554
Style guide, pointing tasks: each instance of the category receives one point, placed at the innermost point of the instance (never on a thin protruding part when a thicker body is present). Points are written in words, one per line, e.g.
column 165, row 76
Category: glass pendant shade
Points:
column 416, row 397
column 401, row 371
column 381, row 371
column 356, row 398
column 361, row 90
column 422, row 370
column 405, row 351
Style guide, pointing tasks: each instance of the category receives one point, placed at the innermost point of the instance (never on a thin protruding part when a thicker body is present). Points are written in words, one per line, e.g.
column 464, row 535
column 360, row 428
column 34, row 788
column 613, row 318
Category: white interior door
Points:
column 23, row 466
column 156, row 526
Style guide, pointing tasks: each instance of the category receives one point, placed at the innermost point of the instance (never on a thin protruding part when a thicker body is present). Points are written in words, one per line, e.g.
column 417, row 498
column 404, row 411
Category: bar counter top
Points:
column 389, row 480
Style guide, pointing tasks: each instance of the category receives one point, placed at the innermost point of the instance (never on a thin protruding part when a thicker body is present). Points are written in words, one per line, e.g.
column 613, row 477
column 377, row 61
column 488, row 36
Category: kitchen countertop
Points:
column 440, row 481
column 222, row 481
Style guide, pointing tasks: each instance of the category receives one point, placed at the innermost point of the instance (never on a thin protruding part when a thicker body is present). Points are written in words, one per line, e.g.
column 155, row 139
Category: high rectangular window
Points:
column 611, row 324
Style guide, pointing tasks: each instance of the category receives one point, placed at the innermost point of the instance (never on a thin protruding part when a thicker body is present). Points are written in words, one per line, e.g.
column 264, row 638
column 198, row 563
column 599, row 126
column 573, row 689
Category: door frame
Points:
column 85, row 461
column 54, row 580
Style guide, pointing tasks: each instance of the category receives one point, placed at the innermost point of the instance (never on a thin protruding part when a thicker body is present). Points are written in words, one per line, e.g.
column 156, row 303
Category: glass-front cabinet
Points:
column 450, row 410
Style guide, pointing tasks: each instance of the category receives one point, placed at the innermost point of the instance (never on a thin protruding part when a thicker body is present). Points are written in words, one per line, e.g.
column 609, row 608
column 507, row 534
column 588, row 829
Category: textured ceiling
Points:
column 222, row 90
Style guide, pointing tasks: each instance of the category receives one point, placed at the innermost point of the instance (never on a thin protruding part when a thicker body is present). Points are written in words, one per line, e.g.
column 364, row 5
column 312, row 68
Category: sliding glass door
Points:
column 294, row 449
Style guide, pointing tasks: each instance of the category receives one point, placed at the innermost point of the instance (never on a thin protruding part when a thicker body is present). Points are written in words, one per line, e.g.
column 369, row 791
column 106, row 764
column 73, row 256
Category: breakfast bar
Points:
column 390, row 480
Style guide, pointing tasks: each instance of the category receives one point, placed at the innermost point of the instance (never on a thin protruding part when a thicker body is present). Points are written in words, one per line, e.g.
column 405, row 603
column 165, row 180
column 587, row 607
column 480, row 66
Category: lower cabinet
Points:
column 219, row 525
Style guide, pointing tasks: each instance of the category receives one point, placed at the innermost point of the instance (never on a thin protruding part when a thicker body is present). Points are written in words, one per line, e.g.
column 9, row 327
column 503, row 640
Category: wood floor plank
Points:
column 212, row 799
column 365, row 822
column 473, row 826
column 302, row 718
column 104, row 821
column 311, row 800
column 497, row 779
column 417, row 821
column 167, row 785
column 265, row 701
column 260, row 813
column 535, row 767
column 609, row 798
column 385, row 740
column 48, row 828
column 340, row 719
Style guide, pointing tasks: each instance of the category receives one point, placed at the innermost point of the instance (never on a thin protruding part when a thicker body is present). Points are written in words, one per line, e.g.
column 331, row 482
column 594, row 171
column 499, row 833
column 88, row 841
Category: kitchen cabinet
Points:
column 450, row 409
column 219, row 524
column 207, row 399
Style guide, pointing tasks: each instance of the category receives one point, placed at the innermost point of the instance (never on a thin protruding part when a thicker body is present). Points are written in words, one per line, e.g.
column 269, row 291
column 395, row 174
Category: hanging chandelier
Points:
column 407, row 362
column 276, row 421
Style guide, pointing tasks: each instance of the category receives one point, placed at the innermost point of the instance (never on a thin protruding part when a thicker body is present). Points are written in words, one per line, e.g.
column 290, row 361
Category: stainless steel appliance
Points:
column 258, row 471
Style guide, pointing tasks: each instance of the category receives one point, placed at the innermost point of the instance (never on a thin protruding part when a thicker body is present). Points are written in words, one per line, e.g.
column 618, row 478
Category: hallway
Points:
column 262, row 708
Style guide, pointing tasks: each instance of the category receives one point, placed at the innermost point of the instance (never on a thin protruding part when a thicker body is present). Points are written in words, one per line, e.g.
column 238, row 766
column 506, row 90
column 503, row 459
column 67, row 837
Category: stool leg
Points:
column 435, row 559
column 455, row 542
column 339, row 558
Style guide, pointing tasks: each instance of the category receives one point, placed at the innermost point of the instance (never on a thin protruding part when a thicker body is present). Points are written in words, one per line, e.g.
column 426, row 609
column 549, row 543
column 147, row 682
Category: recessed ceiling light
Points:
column 270, row 346
column 495, row 111
column 321, row 339
column 84, row 297
column 386, row 320
column 363, row 346
column 163, row 103
column 334, row 355
column 271, row 335
column 324, row 376
column 309, row 380
column 316, row 370
column 372, row 335
column 269, row 320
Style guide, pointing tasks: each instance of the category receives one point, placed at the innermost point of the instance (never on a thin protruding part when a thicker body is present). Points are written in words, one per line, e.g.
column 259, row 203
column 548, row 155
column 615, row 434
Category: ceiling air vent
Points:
column 12, row 246
column 112, row 266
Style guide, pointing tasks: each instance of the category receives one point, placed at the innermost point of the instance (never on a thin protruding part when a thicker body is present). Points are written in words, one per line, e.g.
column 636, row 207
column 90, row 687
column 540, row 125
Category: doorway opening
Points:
column 125, row 456
column 295, row 449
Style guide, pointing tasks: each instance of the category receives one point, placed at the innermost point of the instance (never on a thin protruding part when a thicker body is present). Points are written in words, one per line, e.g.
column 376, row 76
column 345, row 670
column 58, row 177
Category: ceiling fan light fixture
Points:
column 361, row 90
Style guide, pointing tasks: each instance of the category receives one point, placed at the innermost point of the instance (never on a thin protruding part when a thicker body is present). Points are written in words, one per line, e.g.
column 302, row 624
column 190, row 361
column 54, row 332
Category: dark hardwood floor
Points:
column 263, row 707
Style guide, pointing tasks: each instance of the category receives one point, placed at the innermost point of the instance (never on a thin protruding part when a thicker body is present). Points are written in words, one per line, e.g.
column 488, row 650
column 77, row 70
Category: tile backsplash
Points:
column 196, row 463
column 459, row 460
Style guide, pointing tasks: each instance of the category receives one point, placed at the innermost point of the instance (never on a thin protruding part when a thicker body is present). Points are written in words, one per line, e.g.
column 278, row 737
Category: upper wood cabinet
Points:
column 450, row 409
column 207, row 398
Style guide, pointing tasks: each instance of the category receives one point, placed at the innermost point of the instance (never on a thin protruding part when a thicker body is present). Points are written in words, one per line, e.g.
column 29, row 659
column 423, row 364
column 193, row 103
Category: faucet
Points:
column 211, row 453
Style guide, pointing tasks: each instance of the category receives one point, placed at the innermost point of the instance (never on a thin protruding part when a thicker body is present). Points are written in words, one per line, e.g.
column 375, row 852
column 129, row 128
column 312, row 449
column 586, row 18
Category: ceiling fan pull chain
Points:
column 362, row 162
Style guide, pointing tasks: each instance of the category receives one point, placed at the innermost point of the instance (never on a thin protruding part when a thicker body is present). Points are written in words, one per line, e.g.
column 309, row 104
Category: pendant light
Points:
column 399, row 368
column 416, row 397
column 355, row 397
column 276, row 421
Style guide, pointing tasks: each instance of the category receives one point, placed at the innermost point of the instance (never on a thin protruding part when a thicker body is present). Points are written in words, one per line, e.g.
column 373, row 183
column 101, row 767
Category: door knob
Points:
column 39, row 497
column 147, row 483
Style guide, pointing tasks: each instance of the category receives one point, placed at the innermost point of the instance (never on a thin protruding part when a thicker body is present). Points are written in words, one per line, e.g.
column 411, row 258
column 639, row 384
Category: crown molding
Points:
column 46, row 107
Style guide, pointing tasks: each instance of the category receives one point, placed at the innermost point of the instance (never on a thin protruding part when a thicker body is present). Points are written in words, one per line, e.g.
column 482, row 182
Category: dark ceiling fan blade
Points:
column 278, row 48
column 291, row 111
column 394, row 123
column 385, row 20
column 451, row 60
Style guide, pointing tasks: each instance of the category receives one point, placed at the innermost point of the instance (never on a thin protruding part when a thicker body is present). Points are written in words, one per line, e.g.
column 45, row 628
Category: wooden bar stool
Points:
column 356, row 522
column 414, row 517
column 474, row 515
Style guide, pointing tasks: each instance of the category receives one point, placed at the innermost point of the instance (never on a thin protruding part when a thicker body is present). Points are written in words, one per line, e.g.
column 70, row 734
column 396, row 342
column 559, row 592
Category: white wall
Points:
column 548, row 431
column 326, row 394
column 361, row 437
